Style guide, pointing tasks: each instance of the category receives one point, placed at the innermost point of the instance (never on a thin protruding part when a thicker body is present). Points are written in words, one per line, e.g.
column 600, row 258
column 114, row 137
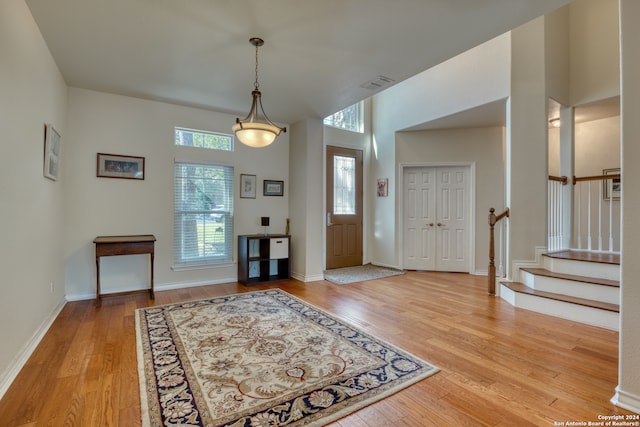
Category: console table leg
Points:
column 98, row 302
column 151, row 291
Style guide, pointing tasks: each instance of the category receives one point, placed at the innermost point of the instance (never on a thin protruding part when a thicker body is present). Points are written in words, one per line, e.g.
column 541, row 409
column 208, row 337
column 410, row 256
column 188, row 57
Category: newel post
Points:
column 493, row 219
column 492, row 255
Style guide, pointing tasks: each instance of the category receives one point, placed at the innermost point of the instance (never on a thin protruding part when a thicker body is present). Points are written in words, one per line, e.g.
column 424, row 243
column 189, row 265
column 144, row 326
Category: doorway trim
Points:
column 472, row 206
column 365, row 197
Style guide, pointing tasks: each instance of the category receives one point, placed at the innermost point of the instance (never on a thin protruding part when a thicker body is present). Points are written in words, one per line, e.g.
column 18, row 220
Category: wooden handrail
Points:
column 595, row 178
column 563, row 179
column 493, row 219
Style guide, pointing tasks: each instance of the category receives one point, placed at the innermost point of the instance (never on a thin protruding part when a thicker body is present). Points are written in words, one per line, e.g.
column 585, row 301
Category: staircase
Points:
column 574, row 285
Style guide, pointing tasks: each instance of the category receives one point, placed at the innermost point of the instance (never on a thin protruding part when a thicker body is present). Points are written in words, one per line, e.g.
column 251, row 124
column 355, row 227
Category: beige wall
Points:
column 306, row 169
column 557, row 54
column 481, row 146
column 597, row 146
column 438, row 92
column 100, row 122
column 526, row 191
column 594, row 54
column 32, row 93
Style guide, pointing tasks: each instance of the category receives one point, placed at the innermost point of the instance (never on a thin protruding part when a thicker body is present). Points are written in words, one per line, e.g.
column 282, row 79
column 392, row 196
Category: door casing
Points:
column 357, row 221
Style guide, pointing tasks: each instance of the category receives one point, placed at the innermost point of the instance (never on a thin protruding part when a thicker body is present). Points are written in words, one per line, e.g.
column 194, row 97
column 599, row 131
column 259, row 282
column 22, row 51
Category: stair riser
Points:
column 580, row 268
column 577, row 313
column 572, row 288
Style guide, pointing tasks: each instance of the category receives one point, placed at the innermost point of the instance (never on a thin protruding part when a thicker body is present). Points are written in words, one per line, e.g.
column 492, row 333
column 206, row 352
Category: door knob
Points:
column 439, row 224
column 430, row 224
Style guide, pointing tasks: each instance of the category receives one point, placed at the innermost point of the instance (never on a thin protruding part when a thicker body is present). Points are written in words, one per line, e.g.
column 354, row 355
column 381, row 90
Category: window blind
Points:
column 203, row 213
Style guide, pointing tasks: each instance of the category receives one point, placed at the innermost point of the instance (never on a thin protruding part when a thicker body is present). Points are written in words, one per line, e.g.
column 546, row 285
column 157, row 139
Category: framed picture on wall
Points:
column 119, row 166
column 612, row 187
column 273, row 188
column 383, row 187
column 247, row 186
column 51, row 152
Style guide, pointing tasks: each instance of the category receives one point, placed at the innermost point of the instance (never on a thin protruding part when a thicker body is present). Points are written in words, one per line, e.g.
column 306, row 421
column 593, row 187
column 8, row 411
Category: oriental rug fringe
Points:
column 262, row 358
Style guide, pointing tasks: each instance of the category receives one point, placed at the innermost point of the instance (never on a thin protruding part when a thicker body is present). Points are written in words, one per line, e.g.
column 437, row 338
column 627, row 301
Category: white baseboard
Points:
column 310, row 278
column 81, row 297
column 157, row 287
column 182, row 285
column 626, row 400
column 11, row 372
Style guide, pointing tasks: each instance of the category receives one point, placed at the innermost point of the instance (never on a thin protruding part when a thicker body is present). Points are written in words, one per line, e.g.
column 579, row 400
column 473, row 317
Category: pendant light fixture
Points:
column 256, row 130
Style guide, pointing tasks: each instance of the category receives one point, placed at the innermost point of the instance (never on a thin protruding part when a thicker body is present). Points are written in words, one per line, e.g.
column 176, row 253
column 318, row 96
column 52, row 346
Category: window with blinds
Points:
column 203, row 217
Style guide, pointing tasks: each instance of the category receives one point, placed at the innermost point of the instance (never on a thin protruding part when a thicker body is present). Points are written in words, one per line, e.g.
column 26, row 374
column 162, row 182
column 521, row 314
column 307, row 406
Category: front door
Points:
column 437, row 218
column 344, row 207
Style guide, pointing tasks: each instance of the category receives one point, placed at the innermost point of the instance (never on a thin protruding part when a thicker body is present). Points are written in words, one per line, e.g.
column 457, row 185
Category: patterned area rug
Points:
column 342, row 276
column 261, row 358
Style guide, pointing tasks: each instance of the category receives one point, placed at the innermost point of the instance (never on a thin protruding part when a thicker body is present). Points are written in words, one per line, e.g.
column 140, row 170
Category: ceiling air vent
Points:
column 378, row 83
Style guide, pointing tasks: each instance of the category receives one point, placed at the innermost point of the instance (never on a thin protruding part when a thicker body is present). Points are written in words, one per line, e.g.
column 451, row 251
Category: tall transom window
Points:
column 348, row 119
column 203, row 139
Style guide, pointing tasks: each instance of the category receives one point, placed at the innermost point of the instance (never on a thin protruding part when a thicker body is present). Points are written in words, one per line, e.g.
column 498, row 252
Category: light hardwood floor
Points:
column 500, row 365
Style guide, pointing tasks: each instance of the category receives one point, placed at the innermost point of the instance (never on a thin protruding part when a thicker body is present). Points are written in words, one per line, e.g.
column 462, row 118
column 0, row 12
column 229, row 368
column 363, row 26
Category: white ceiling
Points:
column 316, row 57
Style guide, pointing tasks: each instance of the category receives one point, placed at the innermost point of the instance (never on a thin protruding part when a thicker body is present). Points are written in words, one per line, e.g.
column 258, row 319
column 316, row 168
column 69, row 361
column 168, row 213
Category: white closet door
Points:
column 452, row 232
column 436, row 218
column 419, row 219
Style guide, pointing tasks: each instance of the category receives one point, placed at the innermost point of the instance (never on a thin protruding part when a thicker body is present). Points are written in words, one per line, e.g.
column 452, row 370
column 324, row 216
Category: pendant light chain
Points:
column 256, row 85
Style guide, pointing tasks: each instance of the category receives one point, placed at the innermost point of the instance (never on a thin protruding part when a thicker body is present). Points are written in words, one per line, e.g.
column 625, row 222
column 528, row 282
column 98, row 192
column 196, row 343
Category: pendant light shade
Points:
column 256, row 130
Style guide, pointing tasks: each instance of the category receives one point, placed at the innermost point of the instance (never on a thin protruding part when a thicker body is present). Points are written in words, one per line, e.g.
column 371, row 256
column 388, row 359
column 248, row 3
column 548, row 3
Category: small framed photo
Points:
column 51, row 152
column 612, row 187
column 383, row 187
column 273, row 188
column 247, row 186
column 119, row 166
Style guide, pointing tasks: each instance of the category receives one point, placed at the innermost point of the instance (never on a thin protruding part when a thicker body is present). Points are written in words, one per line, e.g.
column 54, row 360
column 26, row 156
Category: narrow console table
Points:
column 123, row 245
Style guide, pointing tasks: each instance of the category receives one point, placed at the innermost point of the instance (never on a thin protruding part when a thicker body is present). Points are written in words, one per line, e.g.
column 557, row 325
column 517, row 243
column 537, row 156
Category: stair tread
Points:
column 584, row 279
column 599, row 257
column 524, row 289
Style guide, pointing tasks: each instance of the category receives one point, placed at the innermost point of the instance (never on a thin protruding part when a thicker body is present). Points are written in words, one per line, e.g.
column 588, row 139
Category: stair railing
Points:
column 595, row 220
column 493, row 219
column 555, row 214
column 597, row 212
